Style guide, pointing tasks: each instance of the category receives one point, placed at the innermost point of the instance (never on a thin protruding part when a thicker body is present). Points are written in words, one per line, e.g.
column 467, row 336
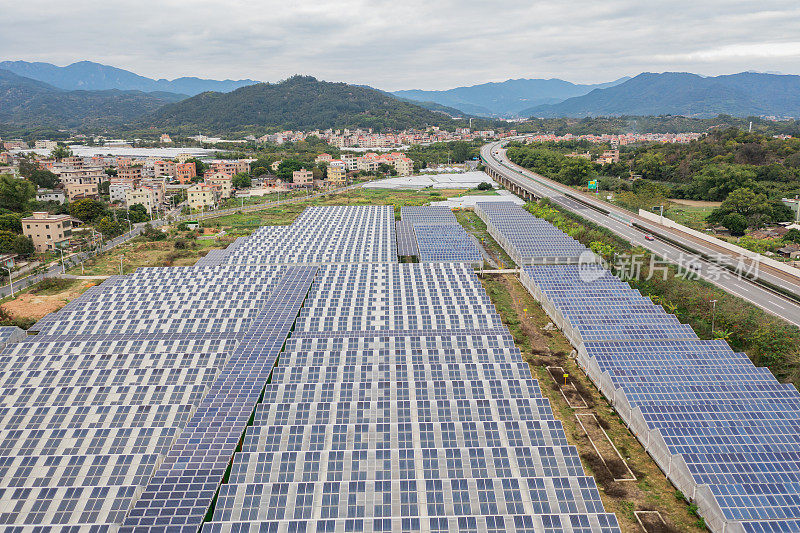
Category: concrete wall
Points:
column 652, row 217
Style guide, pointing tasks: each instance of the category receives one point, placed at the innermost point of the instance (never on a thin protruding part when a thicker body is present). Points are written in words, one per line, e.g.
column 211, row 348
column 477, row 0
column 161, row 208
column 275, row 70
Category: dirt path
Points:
column 37, row 305
column 543, row 347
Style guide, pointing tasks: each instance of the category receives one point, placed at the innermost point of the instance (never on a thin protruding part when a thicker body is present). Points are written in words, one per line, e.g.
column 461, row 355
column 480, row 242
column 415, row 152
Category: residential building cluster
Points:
column 617, row 140
column 357, row 138
column 369, row 162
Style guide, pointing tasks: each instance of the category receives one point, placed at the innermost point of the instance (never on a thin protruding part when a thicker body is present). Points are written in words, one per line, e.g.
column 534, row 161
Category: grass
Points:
column 141, row 253
column 525, row 319
column 286, row 214
column 473, row 224
column 691, row 216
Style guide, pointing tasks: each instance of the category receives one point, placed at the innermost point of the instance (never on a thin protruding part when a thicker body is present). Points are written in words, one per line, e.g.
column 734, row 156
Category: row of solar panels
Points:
column 529, row 240
column 726, row 433
column 434, row 235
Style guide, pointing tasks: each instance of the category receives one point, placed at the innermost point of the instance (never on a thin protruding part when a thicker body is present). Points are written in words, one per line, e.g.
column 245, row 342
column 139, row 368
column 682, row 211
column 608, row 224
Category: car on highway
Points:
column 649, row 237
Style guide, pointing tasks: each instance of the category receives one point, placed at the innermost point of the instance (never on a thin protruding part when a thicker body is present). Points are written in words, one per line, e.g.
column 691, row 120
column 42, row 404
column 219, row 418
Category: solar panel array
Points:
column 324, row 235
column 11, row 334
column 427, row 215
column 438, row 237
column 399, row 402
column 725, row 432
column 446, row 242
column 529, row 240
column 95, row 404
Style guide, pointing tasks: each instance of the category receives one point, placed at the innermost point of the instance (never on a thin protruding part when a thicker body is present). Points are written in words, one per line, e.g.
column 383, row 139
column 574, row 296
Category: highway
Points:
column 619, row 222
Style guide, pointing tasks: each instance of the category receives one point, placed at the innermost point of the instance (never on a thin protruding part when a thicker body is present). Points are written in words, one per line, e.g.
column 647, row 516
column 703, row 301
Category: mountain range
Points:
column 32, row 103
column 682, row 93
column 89, row 76
column 92, row 96
column 505, row 99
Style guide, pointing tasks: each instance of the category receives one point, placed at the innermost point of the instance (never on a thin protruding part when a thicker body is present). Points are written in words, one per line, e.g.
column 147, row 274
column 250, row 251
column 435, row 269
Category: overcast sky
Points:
column 404, row 44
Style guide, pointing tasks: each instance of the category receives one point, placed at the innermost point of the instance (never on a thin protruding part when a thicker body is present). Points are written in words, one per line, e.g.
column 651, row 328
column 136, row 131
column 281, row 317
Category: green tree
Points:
column 23, row 245
column 44, row 179
column 575, row 171
column 86, row 209
column 287, row 167
column 736, row 223
column 11, row 243
column 460, row 151
column 241, row 180
column 199, row 166
column 104, row 187
column 60, row 152
column 753, row 206
column 793, row 235
column 6, row 242
column 484, row 186
column 11, row 222
column 16, row 194
column 109, row 227
column 138, row 213
column 27, row 167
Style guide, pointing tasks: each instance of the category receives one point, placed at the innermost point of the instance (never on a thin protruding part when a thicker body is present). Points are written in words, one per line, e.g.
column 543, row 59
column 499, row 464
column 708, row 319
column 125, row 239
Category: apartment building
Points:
column 130, row 173
column 231, row 166
column 73, row 161
column 222, row 182
column 303, row 177
column 159, row 187
column 323, row 158
column 202, row 196
column 117, row 189
column 185, row 172
column 47, row 231
column 143, row 195
column 87, row 175
column 404, row 166
column 336, row 176
column 45, row 145
column 77, row 191
column 50, row 195
column 609, row 156
column 164, row 168
column 350, row 162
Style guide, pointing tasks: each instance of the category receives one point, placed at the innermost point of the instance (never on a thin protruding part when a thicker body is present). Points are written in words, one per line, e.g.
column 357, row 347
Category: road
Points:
column 55, row 269
column 494, row 157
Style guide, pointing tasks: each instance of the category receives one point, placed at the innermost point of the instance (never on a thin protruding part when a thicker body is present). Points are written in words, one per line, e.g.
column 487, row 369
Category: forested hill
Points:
column 299, row 103
column 31, row 103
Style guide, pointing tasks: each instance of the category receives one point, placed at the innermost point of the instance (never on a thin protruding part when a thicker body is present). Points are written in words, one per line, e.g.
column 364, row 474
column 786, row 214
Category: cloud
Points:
column 409, row 44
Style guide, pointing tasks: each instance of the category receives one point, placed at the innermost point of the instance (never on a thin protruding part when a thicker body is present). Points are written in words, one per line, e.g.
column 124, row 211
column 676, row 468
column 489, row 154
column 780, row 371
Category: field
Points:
column 140, row 253
column 691, row 213
column 33, row 303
